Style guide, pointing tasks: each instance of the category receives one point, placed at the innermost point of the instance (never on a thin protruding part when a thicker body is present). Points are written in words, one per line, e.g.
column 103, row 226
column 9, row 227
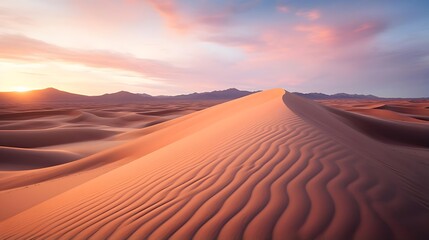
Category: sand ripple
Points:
column 278, row 169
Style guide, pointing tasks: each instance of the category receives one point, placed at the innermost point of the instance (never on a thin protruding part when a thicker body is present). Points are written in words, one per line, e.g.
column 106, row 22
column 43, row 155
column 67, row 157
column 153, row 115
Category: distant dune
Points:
column 56, row 133
column 411, row 110
column 271, row 165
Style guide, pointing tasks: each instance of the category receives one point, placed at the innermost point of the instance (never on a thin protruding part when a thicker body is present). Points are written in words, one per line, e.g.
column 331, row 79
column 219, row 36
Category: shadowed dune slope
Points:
column 47, row 137
column 414, row 111
column 406, row 133
column 269, row 165
column 22, row 159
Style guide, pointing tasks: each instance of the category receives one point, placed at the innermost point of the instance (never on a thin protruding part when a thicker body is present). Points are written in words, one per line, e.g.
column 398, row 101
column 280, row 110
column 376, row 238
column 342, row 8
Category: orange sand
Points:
column 269, row 165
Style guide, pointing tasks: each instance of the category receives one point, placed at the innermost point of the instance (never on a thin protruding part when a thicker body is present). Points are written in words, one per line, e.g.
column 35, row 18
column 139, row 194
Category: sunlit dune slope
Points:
column 269, row 165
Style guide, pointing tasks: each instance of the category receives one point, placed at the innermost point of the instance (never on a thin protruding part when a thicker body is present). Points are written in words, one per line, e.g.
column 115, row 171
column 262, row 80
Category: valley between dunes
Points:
column 270, row 165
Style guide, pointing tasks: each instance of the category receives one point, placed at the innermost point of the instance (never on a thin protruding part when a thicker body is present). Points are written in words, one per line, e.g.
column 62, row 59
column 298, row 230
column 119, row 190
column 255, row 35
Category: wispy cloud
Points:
column 204, row 15
column 10, row 19
column 22, row 48
column 310, row 15
column 346, row 33
column 283, row 8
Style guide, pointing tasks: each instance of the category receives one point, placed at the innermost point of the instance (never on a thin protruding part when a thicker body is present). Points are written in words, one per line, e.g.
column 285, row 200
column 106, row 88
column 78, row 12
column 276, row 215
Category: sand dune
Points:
column 22, row 159
column 269, row 165
column 416, row 111
column 409, row 133
column 79, row 129
column 42, row 138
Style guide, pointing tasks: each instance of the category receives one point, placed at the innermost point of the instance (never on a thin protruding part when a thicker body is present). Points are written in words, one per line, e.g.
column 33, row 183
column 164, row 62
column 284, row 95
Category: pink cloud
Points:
column 306, row 43
column 17, row 47
column 294, row 55
column 310, row 15
column 283, row 8
column 317, row 33
column 12, row 19
column 247, row 43
column 169, row 11
column 344, row 34
column 204, row 15
column 108, row 16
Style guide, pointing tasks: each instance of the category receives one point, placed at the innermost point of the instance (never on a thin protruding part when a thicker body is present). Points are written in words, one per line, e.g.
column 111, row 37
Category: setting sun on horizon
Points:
column 21, row 89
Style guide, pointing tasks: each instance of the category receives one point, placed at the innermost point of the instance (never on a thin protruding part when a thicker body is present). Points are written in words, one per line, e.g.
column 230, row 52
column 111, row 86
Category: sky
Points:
column 92, row 47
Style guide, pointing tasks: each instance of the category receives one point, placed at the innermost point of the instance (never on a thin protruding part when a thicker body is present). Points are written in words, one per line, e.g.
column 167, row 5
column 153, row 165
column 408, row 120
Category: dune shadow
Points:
column 401, row 133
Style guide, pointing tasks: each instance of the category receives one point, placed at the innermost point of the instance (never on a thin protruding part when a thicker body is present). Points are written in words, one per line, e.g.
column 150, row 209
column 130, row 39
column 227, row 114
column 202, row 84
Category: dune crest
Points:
column 268, row 165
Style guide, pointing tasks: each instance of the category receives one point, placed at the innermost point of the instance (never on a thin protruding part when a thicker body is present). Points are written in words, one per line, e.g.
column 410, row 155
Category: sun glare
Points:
column 20, row 89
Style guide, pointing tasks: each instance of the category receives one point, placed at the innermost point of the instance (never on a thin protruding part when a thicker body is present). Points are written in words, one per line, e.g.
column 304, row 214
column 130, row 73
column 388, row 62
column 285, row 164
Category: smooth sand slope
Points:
column 269, row 165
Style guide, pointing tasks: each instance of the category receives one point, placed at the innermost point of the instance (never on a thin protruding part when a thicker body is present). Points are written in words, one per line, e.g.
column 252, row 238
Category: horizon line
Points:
column 359, row 94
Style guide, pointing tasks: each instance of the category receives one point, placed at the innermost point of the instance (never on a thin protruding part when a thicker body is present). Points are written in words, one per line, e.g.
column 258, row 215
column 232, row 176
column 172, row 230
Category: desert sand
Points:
column 270, row 165
column 416, row 111
column 56, row 133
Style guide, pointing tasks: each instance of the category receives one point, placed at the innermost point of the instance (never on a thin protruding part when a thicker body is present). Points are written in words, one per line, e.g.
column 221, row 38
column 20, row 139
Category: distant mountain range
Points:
column 322, row 96
column 230, row 93
column 55, row 95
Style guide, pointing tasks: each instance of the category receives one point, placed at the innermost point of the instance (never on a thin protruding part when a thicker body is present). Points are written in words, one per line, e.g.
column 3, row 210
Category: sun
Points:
column 21, row 89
